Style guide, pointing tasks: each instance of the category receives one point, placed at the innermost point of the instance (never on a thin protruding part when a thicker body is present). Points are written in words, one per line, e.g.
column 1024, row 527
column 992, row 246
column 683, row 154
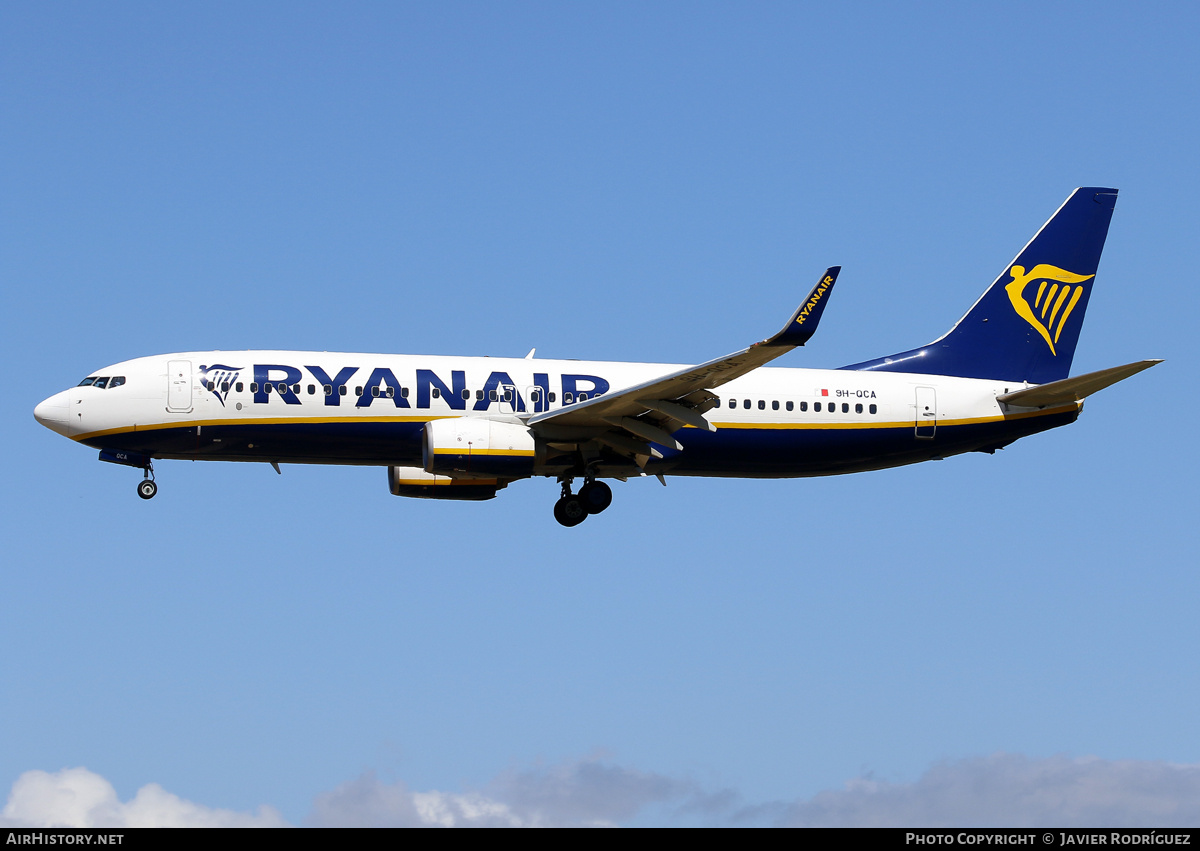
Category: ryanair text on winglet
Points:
column 812, row 302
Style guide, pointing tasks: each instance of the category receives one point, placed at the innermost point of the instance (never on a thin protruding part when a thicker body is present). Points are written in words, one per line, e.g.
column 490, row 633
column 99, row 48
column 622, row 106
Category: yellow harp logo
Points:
column 1055, row 298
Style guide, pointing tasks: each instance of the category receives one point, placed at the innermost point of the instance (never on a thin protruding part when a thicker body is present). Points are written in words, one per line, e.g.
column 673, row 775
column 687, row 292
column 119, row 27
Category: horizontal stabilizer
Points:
column 1073, row 389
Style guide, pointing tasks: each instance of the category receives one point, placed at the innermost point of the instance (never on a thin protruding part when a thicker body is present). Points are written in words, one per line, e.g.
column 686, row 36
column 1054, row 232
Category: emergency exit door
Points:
column 926, row 417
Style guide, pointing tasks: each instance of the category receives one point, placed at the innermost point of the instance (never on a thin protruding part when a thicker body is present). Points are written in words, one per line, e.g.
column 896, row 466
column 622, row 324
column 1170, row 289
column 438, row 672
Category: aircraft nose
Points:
column 54, row 413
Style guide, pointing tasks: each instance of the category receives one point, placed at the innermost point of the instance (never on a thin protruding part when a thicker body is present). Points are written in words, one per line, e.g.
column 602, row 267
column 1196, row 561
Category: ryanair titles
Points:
column 814, row 299
column 363, row 387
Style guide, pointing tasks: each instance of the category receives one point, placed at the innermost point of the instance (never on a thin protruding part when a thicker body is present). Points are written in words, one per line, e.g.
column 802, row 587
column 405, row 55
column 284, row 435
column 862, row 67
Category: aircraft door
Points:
column 535, row 400
column 926, row 413
column 508, row 399
column 179, row 386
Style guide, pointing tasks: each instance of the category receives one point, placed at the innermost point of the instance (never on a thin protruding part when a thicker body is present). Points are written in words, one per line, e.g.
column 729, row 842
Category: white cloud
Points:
column 1009, row 790
column 583, row 793
column 76, row 797
column 1003, row 790
column 366, row 802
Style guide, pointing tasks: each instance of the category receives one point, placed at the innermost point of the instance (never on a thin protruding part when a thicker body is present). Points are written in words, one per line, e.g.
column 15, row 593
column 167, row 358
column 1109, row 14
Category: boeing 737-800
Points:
column 465, row 427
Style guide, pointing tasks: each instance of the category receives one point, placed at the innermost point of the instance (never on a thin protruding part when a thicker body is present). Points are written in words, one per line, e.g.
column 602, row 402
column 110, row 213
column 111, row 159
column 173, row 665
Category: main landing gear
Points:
column 146, row 488
column 573, row 509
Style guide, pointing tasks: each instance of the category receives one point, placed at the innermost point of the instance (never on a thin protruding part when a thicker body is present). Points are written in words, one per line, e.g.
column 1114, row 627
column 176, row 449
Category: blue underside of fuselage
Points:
column 747, row 451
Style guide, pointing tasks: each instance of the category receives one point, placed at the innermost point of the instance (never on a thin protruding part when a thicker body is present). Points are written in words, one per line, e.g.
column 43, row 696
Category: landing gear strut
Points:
column 146, row 488
column 573, row 509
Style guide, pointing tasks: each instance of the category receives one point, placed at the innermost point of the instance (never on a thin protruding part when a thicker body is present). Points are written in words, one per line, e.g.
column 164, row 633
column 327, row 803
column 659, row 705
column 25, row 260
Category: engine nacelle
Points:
column 415, row 482
column 475, row 446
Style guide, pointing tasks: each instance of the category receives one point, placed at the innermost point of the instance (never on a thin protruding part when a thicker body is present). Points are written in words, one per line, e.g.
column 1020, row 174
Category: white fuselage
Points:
column 351, row 408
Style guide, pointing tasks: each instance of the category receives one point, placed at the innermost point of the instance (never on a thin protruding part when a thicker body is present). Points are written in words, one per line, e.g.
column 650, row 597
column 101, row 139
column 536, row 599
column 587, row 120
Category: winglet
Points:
column 803, row 323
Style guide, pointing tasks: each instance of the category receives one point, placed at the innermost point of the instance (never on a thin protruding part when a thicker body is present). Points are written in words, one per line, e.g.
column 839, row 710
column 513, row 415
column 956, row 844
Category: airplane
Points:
column 466, row 427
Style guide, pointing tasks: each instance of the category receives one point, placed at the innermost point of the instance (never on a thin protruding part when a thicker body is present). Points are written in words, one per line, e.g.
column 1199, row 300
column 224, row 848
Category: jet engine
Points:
column 415, row 482
column 478, row 447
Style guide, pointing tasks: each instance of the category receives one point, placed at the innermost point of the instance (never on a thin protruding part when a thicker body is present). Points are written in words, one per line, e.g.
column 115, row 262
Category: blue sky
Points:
column 632, row 182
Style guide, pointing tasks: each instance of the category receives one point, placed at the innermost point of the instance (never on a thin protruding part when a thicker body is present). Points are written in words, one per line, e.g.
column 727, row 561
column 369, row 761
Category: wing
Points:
column 631, row 419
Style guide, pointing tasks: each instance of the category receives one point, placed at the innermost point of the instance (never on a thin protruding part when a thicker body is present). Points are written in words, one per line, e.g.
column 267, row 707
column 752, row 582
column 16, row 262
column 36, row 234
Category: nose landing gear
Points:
column 146, row 488
column 573, row 509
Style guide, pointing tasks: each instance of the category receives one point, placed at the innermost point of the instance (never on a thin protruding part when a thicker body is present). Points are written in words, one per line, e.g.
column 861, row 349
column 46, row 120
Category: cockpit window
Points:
column 102, row 382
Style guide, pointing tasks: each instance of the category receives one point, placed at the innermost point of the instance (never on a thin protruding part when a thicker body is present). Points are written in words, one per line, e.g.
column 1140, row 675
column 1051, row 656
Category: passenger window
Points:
column 478, row 395
column 762, row 404
column 534, row 396
column 437, row 394
column 552, row 397
column 774, row 404
column 733, row 403
column 858, row 408
column 253, row 386
column 582, row 397
column 873, row 409
column 328, row 389
column 391, row 392
column 283, row 388
column 312, row 390
column 403, row 392
column 492, row 396
column 342, row 390
column 804, row 406
column 211, row 385
column 375, row 391
column 817, row 407
column 746, row 404
column 87, row 382
column 845, row 407
column 568, row 398
column 296, row 389
column 357, row 391
column 790, row 406
column 238, row 387
column 267, row 388
column 466, row 394
column 224, row 386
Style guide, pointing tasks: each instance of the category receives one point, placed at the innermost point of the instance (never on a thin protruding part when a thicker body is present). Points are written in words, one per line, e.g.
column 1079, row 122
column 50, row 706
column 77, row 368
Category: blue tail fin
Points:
column 1026, row 325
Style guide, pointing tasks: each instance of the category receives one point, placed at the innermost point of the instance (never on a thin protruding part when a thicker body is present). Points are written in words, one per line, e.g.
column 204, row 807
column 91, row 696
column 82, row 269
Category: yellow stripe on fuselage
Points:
column 254, row 422
column 816, row 424
column 940, row 421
